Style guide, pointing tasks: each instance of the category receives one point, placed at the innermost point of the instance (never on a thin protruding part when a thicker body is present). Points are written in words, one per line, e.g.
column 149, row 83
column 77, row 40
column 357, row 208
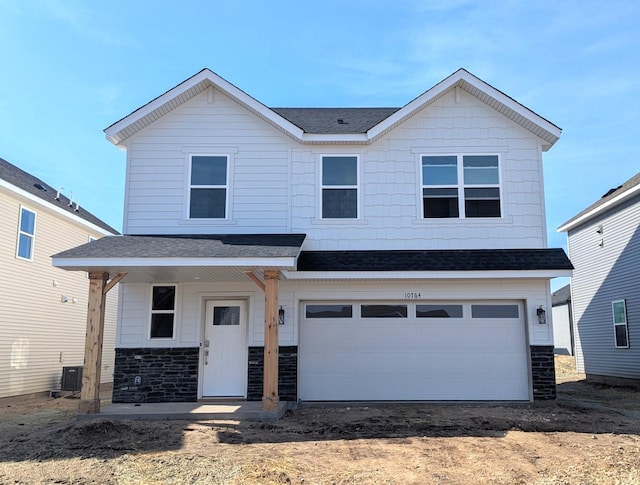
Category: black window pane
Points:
column 226, row 315
column 383, row 311
column 494, row 311
column 207, row 170
column 439, row 311
column 440, row 207
column 328, row 311
column 163, row 297
column 339, row 203
column 482, row 208
column 622, row 339
column 208, row 203
column 162, row 325
column 339, row 171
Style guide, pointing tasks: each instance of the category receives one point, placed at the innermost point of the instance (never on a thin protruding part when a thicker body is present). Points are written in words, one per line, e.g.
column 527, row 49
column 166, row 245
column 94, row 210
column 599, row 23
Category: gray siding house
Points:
column 562, row 321
column 604, row 246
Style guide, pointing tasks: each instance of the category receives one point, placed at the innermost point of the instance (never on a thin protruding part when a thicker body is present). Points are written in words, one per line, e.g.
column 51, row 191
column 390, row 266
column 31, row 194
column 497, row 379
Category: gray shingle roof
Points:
column 324, row 121
column 435, row 260
column 561, row 296
column 610, row 194
column 189, row 246
column 34, row 186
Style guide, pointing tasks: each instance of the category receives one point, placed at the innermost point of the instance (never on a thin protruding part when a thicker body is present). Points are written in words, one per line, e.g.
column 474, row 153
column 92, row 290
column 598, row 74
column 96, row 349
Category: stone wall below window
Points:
column 287, row 373
column 543, row 372
column 155, row 375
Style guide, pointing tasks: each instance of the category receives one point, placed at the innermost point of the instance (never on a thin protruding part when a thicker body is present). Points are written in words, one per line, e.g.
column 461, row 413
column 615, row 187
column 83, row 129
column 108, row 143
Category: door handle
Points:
column 206, row 357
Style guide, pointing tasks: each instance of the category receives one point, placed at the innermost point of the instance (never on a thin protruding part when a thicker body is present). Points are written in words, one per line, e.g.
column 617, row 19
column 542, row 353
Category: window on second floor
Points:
column 460, row 186
column 339, row 187
column 208, row 187
column 26, row 233
column 621, row 331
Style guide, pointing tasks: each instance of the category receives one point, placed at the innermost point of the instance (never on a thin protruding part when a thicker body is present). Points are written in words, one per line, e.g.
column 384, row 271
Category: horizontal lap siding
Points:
column 602, row 275
column 158, row 176
column 38, row 333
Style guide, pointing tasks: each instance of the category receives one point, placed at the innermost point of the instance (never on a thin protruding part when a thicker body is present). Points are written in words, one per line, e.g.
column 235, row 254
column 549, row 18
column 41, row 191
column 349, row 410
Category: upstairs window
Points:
column 340, row 187
column 621, row 331
column 460, row 186
column 26, row 234
column 163, row 309
column 208, row 187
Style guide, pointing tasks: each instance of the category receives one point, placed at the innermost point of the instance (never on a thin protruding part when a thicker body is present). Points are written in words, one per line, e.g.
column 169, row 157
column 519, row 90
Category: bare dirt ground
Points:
column 590, row 435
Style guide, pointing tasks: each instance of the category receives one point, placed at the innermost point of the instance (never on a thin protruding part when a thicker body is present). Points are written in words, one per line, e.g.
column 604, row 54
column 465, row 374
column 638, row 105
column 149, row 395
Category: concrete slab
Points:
column 191, row 411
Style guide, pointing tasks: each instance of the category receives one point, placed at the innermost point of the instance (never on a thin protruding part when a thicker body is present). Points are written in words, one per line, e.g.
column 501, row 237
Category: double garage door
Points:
column 352, row 351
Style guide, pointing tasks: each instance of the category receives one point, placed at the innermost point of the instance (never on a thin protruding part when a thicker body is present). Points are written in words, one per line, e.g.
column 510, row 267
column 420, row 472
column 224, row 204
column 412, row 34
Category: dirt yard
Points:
column 590, row 435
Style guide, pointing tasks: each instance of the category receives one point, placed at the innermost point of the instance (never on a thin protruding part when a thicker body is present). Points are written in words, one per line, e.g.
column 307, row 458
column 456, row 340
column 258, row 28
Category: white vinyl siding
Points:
column 276, row 184
column 39, row 334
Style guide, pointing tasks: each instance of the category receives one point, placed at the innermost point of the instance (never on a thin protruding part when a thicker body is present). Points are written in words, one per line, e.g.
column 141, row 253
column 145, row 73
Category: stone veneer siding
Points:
column 287, row 373
column 543, row 372
column 165, row 375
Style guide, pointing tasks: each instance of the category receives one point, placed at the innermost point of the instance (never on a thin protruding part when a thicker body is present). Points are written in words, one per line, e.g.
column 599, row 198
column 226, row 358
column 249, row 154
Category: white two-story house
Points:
column 331, row 254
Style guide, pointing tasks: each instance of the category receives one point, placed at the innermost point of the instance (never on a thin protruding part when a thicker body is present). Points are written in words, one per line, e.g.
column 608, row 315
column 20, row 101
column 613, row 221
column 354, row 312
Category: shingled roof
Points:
column 609, row 200
column 335, row 120
column 40, row 189
column 435, row 260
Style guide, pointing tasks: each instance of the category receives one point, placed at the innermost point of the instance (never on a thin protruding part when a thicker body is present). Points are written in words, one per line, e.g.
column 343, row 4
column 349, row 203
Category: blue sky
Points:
column 70, row 68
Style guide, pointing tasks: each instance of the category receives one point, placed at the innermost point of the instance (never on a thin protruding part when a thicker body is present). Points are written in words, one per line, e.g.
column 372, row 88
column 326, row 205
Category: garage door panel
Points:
column 413, row 359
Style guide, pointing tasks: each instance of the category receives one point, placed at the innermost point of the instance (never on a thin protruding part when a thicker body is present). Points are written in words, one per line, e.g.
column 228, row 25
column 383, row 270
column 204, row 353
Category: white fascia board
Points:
column 600, row 209
column 70, row 263
column 349, row 138
column 49, row 206
column 225, row 86
column 423, row 275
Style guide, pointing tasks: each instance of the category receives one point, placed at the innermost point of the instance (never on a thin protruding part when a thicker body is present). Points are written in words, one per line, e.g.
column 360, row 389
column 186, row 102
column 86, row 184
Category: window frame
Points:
column 173, row 312
column 226, row 186
column 32, row 237
column 619, row 324
column 460, row 186
column 337, row 187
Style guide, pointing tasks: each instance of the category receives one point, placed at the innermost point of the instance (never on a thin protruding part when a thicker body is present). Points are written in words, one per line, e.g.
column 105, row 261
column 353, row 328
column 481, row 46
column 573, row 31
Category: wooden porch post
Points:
column 90, row 394
column 270, row 399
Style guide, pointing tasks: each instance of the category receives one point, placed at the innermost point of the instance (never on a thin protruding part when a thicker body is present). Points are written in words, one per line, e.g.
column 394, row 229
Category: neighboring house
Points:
column 562, row 322
column 604, row 245
column 402, row 251
column 43, row 310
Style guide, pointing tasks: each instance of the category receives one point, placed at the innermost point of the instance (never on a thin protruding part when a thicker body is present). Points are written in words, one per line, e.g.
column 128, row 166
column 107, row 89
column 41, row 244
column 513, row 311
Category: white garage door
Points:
column 356, row 351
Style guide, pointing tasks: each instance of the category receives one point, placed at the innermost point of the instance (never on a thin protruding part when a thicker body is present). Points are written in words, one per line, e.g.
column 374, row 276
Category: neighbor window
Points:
column 340, row 187
column 26, row 233
column 620, row 328
column 208, row 187
column 460, row 186
column 163, row 309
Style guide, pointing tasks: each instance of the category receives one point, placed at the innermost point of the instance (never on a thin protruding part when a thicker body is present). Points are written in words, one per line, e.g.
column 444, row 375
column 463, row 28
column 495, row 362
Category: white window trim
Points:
column 460, row 186
column 227, row 187
column 153, row 312
column 357, row 187
column 32, row 236
column 626, row 323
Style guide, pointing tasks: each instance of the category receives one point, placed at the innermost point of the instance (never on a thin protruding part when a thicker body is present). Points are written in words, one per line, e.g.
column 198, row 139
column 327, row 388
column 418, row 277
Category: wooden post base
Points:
column 270, row 403
column 91, row 406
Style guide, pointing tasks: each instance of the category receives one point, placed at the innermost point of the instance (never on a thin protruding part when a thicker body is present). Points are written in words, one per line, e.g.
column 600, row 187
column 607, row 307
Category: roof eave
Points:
column 430, row 275
column 610, row 204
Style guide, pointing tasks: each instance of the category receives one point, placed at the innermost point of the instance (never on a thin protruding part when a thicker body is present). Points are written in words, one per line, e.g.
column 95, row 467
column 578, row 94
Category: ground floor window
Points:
column 620, row 328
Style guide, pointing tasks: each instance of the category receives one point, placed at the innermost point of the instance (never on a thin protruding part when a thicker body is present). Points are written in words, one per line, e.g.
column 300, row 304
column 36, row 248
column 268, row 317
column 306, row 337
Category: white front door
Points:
column 225, row 349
